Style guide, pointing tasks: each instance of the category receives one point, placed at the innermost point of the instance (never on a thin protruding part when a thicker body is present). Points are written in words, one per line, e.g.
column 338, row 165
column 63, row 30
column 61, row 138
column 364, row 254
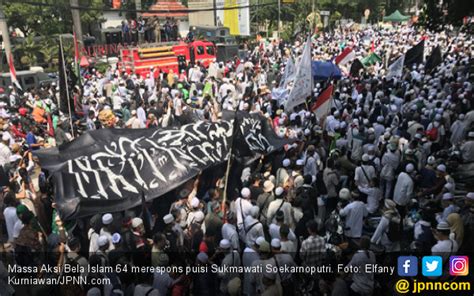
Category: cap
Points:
column 409, row 168
column 276, row 243
column 168, row 219
column 198, row 216
column 443, row 226
column 431, row 160
column 300, row 162
column 279, row 191
column 449, row 186
column 268, row 186
column 259, row 240
column 202, row 257
column 195, row 202
column 134, row 112
column 116, row 238
column 102, row 241
column 136, row 222
column 264, row 247
column 344, row 194
column 441, row 168
column 365, row 157
column 286, row 162
column 245, row 192
column 447, row 196
column 470, row 195
column 470, row 134
column 224, row 244
column 107, row 219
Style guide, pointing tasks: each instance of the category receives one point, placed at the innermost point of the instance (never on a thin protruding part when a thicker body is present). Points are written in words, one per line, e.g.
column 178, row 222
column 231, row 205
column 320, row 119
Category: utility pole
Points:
column 279, row 12
column 76, row 20
column 5, row 33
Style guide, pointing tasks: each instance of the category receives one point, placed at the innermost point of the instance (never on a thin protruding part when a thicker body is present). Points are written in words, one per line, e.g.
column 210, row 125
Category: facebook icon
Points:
column 407, row 266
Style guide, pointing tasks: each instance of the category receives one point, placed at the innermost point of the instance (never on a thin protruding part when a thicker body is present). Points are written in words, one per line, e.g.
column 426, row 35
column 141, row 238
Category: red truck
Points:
column 166, row 57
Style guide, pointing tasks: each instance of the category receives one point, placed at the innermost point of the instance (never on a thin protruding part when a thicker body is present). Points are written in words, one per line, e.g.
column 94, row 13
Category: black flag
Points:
column 67, row 79
column 434, row 60
column 415, row 55
column 111, row 170
column 356, row 67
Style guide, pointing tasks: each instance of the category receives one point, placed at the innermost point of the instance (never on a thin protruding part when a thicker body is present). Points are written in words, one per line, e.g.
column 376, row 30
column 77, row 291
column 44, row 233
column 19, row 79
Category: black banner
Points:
column 107, row 170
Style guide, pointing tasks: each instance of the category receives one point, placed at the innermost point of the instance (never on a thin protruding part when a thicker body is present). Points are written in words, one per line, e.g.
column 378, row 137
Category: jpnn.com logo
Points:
column 404, row 286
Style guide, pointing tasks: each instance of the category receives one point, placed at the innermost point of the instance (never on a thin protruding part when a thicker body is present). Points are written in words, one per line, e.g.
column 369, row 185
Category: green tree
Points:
column 53, row 19
column 49, row 52
column 27, row 50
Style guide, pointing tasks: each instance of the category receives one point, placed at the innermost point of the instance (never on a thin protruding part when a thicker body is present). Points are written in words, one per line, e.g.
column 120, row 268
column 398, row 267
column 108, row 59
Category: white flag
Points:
column 396, row 68
column 289, row 73
column 303, row 79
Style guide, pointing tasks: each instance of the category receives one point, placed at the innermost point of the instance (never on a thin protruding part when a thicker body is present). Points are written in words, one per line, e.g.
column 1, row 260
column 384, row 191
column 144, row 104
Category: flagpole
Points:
column 279, row 12
column 66, row 84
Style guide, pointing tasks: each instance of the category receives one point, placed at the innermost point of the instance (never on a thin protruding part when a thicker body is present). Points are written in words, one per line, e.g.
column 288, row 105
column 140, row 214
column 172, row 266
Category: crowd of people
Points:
column 152, row 29
column 377, row 175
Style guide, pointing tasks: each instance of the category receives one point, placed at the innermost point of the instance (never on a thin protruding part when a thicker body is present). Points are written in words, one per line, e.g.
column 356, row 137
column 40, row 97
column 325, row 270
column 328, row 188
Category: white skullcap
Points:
column 299, row 162
column 168, row 219
column 276, row 243
column 286, row 162
column 116, row 237
column 344, row 194
column 447, row 196
column 409, row 168
column 136, row 222
column 448, row 186
column 470, row 134
column 441, row 168
column 94, row 292
column 431, row 160
column 365, row 157
column 259, row 240
column 107, row 219
column 224, row 244
column 380, row 119
column 195, row 202
column 470, row 195
column 245, row 192
column 202, row 257
column 102, row 241
column 198, row 216
column 279, row 191
column 5, row 137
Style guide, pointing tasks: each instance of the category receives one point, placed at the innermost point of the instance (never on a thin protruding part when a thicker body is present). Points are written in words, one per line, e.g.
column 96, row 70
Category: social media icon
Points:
column 458, row 265
column 407, row 266
column 432, row 266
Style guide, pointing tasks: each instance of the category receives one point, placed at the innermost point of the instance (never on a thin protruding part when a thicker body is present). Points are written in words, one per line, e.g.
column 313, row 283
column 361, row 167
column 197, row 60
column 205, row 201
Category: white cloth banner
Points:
column 303, row 79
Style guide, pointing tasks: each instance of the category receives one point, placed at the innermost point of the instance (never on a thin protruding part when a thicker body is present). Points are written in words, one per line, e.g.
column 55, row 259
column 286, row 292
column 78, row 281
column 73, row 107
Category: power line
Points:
column 107, row 9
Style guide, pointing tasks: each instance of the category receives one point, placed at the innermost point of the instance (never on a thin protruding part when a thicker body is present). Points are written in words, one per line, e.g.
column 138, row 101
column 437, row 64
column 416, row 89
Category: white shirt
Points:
column 253, row 230
column 354, row 213
column 361, row 177
column 242, row 209
column 403, row 189
column 229, row 232
column 5, row 154
column 374, row 195
column 10, row 220
column 141, row 115
column 274, row 206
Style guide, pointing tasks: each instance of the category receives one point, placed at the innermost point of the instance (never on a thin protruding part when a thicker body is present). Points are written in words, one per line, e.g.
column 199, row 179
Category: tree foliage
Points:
column 50, row 20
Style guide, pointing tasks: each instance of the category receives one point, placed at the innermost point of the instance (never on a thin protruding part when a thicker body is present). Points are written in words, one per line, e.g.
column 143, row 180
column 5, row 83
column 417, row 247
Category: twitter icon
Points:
column 432, row 266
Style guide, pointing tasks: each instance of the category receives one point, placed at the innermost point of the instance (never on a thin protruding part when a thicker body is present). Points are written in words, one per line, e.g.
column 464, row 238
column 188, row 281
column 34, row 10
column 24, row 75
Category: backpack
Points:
column 394, row 231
